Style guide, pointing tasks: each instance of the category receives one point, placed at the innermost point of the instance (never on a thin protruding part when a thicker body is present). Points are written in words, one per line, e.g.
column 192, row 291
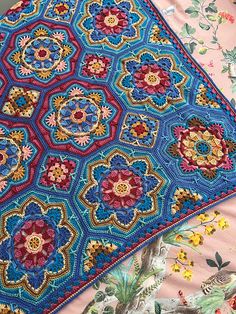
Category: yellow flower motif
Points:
column 18, row 136
column 223, row 223
column 175, row 268
column 191, row 150
column 203, row 217
column 187, row 274
column 196, row 239
column 210, row 229
column 182, row 255
column 19, row 173
column 100, row 130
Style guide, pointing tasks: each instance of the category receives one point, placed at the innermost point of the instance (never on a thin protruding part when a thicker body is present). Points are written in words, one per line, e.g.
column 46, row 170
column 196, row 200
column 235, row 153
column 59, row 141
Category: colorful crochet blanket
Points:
column 110, row 134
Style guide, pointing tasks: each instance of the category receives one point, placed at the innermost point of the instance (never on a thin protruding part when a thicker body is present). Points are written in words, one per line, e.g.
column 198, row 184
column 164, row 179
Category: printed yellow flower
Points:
column 216, row 213
column 223, row 223
column 182, row 255
column 187, row 274
column 178, row 237
column 175, row 268
column 210, row 229
column 196, row 239
column 191, row 263
column 203, row 217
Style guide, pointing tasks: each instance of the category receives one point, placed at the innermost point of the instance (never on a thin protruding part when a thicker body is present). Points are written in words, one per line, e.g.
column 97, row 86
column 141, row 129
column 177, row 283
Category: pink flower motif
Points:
column 51, row 120
column 61, row 66
column 3, row 185
column 106, row 112
column 75, row 91
column 34, row 243
column 121, row 188
column 27, row 152
column 83, row 140
column 152, row 79
column 23, row 41
column 96, row 66
column 24, row 71
column 58, row 173
column 111, row 21
column 59, row 35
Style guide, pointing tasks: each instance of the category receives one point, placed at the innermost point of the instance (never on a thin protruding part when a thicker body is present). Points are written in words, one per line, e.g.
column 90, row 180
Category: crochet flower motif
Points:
column 97, row 254
column 96, row 66
column 139, row 130
column 121, row 189
column 42, row 53
column 20, row 102
column 34, row 246
column 80, row 117
column 23, row 8
column 153, row 80
column 202, row 147
column 58, row 172
column 16, row 154
column 112, row 22
column 61, row 10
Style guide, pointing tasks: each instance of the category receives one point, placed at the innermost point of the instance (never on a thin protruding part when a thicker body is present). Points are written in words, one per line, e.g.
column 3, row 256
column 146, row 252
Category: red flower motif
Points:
column 34, row 243
column 96, row 66
column 152, row 79
column 58, row 173
column 111, row 21
column 121, row 188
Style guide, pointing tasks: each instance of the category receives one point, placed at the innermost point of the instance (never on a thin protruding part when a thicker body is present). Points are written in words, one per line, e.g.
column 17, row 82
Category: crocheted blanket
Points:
column 110, row 134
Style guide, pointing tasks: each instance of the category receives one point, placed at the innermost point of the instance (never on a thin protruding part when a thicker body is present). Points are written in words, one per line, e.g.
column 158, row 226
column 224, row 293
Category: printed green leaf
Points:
column 108, row 310
column 211, row 263
column 196, row 2
column 211, row 8
column 204, row 26
column 218, row 259
column 110, row 291
column 233, row 102
column 157, row 308
column 225, row 69
column 211, row 17
column 225, row 264
column 99, row 296
column 187, row 30
column 96, row 285
column 192, row 11
column 202, row 51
